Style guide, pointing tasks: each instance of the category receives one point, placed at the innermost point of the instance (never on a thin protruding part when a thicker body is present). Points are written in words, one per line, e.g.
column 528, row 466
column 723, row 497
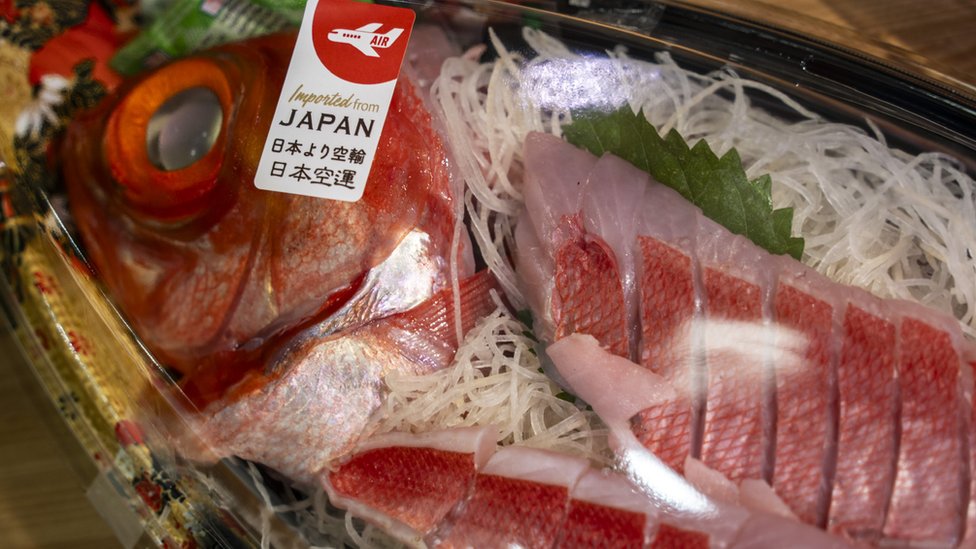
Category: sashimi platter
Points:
column 607, row 285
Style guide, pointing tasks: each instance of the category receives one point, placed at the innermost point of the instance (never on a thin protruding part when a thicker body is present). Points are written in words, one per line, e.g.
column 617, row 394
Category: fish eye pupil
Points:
column 184, row 128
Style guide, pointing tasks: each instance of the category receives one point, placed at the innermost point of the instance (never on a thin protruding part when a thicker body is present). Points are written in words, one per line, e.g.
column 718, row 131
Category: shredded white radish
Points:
column 496, row 379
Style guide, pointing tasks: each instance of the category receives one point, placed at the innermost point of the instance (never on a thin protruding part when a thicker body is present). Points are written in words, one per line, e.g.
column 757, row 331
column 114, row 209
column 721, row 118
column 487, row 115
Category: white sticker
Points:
column 335, row 99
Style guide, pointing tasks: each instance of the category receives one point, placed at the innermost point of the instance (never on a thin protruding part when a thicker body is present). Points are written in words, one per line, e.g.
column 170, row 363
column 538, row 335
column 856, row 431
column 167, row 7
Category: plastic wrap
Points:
column 250, row 368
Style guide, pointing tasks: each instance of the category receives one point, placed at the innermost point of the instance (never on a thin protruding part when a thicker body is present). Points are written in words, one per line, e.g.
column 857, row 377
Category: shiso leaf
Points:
column 719, row 186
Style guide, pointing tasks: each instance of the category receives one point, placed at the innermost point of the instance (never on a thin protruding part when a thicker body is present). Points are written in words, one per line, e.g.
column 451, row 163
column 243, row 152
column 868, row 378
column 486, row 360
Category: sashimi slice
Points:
column 577, row 359
column 667, row 299
column 737, row 279
column 551, row 189
column 928, row 502
column 667, row 306
column 867, row 445
column 409, row 483
column 668, row 312
column 413, row 486
column 606, row 511
column 588, row 296
column 732, row 431
column 669, row 536
column 805, row 441
column 613, row 202
column 594, row 288
column 520, row 498
column 553, row 177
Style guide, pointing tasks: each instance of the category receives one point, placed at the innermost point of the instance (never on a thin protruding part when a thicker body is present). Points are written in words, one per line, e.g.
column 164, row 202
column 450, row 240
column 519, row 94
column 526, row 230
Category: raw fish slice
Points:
column 613, row 202
column 668, row 536
column 409, row 483
column 588, row 297
column 586, row 234
column 605, row 510
column 667, row 288
column 520, row 498
column 667, row 274
column 931, row 491
column 591, row 525
column 762, row 531
column 553, row 177
column 805, row 364
column 736, row 280
column 668, row 309
column 666, row 430
column 578, row 360
column 867, row 445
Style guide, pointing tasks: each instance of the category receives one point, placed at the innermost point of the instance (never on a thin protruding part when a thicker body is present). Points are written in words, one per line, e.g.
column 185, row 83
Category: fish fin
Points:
column 427, row 332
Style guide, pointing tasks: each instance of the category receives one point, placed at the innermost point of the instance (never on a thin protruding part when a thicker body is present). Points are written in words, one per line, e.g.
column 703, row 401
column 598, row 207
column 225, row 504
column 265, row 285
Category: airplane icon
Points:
column 365, row 38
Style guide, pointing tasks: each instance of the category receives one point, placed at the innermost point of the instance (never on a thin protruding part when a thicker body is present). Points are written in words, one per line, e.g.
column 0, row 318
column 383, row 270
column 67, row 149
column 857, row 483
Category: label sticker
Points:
column 335, row 99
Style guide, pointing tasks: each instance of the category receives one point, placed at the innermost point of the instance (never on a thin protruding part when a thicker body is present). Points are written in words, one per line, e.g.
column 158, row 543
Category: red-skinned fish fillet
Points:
column 856, row 410
column 453, row 489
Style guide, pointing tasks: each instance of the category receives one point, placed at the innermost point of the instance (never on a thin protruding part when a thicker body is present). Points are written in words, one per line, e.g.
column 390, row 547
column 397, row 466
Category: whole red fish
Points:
column 280, row 314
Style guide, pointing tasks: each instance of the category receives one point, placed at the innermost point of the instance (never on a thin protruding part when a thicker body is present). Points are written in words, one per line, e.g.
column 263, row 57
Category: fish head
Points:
column 172, row 145
column 206, row 267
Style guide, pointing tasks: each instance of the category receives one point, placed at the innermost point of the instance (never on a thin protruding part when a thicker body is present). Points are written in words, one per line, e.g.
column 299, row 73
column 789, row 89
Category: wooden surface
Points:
column 938, row 34
column 42, row 501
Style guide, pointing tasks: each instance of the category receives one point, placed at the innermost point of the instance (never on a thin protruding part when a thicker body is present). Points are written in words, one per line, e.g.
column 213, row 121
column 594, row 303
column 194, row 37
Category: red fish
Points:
column 280, row 314
column 856, row 410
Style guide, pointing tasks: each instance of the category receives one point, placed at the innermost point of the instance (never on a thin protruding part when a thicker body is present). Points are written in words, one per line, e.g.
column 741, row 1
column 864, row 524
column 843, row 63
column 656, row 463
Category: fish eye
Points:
column 184, row 128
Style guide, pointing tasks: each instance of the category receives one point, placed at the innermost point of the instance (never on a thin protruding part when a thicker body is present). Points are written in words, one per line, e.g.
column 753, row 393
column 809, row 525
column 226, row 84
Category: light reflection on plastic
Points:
column 742, row 348
column 659, row 482
column 588, row 82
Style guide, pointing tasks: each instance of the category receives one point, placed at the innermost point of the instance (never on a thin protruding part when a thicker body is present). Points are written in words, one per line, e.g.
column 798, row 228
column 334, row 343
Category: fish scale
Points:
column 665, row 429
column 867, row 442
column 590, row 298
column 505, row 511
column 672, row 536
column 667, row 306
column 593, row 525
column 419, row 486
column 732, row 439
column 931, row 483
column 803, row 442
